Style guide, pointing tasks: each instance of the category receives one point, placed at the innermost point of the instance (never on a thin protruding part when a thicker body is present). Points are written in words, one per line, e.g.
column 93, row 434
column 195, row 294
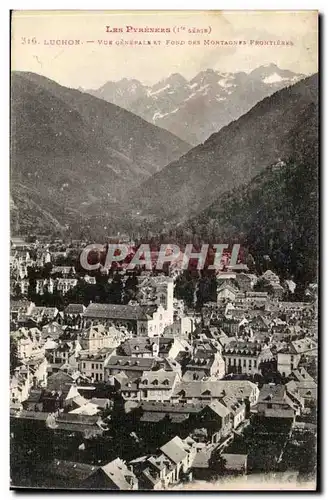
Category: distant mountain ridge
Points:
column 195, row 109
column 74, row 154
column 282, row 125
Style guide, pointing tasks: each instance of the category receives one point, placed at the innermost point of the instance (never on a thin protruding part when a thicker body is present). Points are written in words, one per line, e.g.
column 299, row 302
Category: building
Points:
column 258, row 299
column 271, row 277
column 44, row 285
column 225, row 293
column 158, row 290
column 203, row 422
column 246, row 281
column 305, row 385
column 24, row 286
column 156, row 385
column 99, row 337
column 182, row 328
column 288, row 359
column 133, row 367
column 173, row 460
column 204, row 364
column 274, row 403
column 92, row 364
column 29, row 343
column 115, row 475
column 141, row 320
column 242, row 357
column 213, row 390
column 64, row 285
column 74, row 311
column 64, row 271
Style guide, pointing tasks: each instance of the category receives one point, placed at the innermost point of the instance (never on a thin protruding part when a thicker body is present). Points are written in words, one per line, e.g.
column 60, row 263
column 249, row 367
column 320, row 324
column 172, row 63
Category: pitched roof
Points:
column 302, row 375
column 171, row 408
column 279, row 413
column 235, row 461
column 175, row 450
column 227, row 286
column 72, row 472
column 272, row 393
column 287, row 349
column 75, row 309
column 130, row 363
column 242, row 348
column 159, row 378
column 219, row 409
column 304, row 345
column 239, row 388
column 115, row 311
column 119, row 473
column 59, row 381
column 137, row 346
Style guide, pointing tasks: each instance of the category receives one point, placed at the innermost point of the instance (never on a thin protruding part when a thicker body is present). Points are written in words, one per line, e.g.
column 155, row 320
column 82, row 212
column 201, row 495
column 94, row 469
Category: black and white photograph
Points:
column 164, row 250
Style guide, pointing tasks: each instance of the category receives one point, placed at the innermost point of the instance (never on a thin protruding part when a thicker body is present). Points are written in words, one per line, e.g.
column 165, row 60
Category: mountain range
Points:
column 281, row 126
column 74, row 156
column 79, row 162
column 195, row 109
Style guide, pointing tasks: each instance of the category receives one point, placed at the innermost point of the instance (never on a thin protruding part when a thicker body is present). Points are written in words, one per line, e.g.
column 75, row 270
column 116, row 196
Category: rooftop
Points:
column 114, row 311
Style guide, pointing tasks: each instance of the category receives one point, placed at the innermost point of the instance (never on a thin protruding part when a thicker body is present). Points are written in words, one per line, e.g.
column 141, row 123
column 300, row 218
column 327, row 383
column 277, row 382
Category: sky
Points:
column 83, row 57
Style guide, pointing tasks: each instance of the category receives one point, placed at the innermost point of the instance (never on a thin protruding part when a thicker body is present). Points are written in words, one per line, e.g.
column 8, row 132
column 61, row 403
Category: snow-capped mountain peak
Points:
column 195, row 109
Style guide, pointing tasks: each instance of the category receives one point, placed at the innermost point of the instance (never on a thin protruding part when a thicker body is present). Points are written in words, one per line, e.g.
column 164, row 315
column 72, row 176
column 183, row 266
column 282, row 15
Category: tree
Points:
column 262, row 285
column 217, row 465
column 185, row 288
column 14, row 362
column 116, row 290
column 17, row 291
column 130, row 290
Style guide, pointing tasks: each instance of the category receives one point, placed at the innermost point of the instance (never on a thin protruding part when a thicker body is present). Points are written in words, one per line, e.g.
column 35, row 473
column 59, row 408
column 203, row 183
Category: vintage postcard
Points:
column 164, row 250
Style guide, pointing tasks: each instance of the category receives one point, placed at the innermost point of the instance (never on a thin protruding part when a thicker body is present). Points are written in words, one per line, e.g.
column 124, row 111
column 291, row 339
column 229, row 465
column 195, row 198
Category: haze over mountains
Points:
column 195, row 109
column 74, row 154
column 281, row 126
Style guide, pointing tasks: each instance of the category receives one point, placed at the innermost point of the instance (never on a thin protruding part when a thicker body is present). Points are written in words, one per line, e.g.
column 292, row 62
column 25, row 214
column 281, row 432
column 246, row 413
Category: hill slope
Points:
column 74, row 153
column 275, row 214
column 282, row 125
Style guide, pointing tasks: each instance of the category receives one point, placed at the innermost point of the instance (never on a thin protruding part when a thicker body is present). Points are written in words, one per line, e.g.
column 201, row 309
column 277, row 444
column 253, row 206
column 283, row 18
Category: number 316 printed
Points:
column 28, row 41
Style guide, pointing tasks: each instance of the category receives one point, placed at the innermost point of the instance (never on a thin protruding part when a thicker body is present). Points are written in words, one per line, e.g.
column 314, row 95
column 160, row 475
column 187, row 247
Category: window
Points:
column 244, row 363
column 100, row 376
column 269, row 406
column 254, row 363
column 92, row 375
column 229, row 361
column 96, row 366
column 83, row 365
column 249, row 363
column 92, row 366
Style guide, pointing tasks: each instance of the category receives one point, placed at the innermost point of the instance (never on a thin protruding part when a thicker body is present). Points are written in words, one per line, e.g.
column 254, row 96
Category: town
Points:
column 148, row 379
